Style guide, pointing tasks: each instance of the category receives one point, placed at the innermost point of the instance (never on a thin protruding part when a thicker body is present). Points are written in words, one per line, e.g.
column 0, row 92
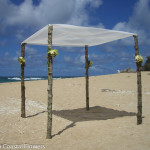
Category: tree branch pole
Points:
column 139, row 83
column 23, row 114
column 87, row 77
column 50, row 85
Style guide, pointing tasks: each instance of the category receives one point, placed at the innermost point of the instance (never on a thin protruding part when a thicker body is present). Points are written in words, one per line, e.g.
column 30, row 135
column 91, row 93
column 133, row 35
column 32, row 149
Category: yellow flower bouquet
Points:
column 90, row 63
column 21, row 60
column 139, row 59
column 52, row 52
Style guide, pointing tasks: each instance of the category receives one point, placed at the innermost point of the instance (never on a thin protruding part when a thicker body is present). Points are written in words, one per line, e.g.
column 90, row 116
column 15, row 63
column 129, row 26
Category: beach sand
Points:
column 110, row 124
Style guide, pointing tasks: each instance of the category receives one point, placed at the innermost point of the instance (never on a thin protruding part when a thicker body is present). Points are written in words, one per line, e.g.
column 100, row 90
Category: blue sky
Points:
column 21, row 18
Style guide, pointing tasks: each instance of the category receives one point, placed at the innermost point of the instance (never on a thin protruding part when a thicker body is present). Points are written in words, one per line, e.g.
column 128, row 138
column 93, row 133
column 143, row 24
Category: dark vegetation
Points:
column 146, row 66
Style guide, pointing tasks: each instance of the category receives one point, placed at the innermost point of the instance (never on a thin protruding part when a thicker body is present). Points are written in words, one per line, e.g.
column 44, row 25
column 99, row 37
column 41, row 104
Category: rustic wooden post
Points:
column 139, row 85
column 23, row 114
column 87, row 77
column 50, row 84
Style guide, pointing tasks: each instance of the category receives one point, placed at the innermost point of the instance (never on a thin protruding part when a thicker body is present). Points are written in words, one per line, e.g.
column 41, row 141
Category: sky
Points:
column 19, row 19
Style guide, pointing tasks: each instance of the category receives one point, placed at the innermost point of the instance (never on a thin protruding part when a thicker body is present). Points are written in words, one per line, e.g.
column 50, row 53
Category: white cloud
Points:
column 96, row 3
column 80, row 15
column 78, row 61
column 20, row 34
column 48, row 11
column 100, row 25
column 27, row 17
column 6, row 53
column 30, row 51
column 138, row 23
column 97, row 68
column 67, row 59
column 15, row 59
column 97, row 59
column 105, row 58
column 141, row 14
column 7, row 60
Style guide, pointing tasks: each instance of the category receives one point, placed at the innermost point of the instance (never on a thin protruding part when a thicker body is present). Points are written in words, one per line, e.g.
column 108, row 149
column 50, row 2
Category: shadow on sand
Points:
column 36, row 114
column 81, row 114
column 95, row 113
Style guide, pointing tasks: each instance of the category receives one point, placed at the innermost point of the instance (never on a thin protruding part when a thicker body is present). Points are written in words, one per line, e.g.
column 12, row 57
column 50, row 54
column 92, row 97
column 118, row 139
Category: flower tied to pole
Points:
column 90, row 63
column 139, row 59
column 52, row 52
column 21, row 60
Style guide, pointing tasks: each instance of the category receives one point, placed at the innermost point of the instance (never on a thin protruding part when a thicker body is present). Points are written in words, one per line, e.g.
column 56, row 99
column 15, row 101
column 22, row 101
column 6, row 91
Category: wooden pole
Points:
column 50, row 84
column 23, row 114
column 87, row 77
column 139, row 83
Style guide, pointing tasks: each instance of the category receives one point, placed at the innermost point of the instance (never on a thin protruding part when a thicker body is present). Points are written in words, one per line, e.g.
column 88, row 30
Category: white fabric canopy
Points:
column 69, row 35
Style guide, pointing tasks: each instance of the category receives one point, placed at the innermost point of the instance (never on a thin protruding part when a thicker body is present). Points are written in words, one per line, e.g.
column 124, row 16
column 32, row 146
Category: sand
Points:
column 110, row 124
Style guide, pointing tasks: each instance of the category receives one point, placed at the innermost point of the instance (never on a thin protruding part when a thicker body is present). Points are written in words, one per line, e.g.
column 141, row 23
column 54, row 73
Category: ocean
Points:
column 30, row 78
